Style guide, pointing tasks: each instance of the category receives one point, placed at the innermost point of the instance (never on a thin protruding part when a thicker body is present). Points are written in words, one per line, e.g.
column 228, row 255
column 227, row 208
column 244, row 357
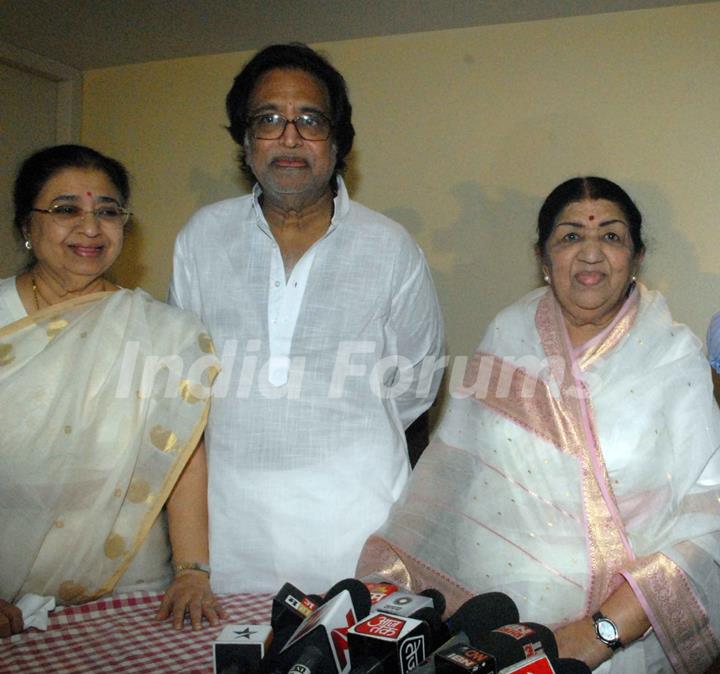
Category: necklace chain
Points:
column 35, row 291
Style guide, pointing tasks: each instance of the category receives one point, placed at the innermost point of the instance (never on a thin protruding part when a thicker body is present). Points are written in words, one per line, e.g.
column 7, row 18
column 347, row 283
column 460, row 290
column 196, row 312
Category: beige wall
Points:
column 461, row 134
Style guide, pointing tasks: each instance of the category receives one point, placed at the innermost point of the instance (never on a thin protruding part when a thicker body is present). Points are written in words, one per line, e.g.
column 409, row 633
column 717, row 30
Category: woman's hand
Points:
column 187, row 520
column 577, row 640
column 190, row 593
column 11, row 621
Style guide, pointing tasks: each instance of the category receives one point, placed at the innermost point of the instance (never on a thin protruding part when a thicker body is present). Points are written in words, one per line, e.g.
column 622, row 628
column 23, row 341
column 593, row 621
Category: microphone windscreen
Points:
column 273, row 660
column 511, row 644
column 439, row 632
column 483, row 613
column 570, row 666
column 531, row 633
column 437, row 597
column 359, row 594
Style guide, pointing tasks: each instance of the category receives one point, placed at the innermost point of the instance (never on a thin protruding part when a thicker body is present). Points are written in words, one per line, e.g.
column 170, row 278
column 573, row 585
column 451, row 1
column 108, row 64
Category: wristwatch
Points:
column 606, row 630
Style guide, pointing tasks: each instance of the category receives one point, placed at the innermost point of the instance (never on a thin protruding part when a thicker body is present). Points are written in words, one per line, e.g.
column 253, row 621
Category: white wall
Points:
column 461, row 134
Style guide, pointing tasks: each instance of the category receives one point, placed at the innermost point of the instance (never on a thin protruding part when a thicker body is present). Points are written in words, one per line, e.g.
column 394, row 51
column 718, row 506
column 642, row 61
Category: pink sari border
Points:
column 675, row 613
column 380, row 557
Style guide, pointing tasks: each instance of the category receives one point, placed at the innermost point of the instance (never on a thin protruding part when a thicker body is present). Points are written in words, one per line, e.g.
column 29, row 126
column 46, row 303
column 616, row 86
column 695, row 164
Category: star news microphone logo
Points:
column 245, row 634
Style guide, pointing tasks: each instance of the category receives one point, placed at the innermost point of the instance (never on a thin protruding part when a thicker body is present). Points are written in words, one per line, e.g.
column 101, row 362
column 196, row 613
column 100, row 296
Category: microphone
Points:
column 379, row 589
column 428, row 605
column 240, row 648
column 513, row 643
column 290, row 607
column 357, row 589
column 462, row 658
column 438, row 599
column 483, row 613
column 387, row 644
column 439, row 632
column 325, row 631
column 505, row 646
column 540, row 664
column 310, row 660
column 403, row 603
column 474, row 619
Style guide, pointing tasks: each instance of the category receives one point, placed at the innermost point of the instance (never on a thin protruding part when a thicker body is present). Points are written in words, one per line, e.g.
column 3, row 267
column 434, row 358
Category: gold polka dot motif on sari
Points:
column 205, row 343
column 71, row 592
column 163, row 438
column 114, row 546
column 138, row 491
column 6, row 354
column 56, row 326
column 191, row 392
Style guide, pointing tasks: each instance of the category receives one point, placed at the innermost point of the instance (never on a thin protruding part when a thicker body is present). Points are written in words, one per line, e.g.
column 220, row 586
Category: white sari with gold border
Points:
column 556, row 472
column 92, row 442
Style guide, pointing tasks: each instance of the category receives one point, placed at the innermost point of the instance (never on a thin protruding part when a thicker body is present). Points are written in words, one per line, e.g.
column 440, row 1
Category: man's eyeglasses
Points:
column 271, row 125
column 69, row 215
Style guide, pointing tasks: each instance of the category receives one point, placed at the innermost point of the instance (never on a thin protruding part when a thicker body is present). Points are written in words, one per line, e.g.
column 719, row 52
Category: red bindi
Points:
column 592, row 217
column 89, row 194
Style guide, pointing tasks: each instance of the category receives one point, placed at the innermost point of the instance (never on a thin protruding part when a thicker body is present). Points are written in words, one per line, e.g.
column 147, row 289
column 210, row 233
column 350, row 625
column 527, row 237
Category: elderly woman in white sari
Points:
column 104, row 394
column 578, row 467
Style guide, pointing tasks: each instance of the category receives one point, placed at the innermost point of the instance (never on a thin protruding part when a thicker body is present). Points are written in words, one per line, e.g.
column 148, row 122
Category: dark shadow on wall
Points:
column 127, row 271
column 672, row 263
column 490, row 232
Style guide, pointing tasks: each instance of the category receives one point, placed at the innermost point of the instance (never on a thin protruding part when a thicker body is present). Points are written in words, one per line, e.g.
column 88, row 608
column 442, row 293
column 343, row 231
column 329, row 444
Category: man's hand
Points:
column 190, row 593
column 11, row 621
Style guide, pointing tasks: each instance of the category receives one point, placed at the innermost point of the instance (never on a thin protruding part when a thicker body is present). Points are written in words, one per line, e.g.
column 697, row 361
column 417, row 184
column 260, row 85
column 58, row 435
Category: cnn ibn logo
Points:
column 412, row 653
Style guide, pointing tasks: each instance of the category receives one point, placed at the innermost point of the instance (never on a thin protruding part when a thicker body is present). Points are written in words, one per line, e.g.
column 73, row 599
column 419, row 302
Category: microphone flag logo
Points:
column 340, row 642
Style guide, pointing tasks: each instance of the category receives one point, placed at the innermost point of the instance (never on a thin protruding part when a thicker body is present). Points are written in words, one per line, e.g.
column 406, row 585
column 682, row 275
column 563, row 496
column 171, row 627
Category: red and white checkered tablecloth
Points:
column 118, row 634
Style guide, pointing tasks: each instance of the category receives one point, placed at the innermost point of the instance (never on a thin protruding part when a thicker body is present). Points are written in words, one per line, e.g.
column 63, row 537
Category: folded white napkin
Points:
column 35, row 609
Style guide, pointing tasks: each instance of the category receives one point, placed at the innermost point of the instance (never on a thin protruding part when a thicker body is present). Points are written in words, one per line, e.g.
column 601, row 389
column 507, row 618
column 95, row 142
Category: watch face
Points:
column 606, row 630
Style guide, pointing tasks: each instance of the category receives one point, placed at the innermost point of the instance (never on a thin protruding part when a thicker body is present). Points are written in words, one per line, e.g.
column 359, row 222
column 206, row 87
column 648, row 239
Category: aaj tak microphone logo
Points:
column 408, row 634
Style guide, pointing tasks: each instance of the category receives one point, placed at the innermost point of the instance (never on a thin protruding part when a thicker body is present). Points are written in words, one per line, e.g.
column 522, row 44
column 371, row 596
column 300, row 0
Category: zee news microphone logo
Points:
column 299, row 669
column 412, row 653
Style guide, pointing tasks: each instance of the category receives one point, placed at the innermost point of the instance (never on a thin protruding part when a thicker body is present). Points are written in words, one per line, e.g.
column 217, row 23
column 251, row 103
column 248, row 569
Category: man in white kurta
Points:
column 327, row 324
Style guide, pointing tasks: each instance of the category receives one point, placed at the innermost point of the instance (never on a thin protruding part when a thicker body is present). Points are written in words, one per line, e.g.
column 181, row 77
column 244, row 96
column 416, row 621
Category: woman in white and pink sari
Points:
column 578, row 467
